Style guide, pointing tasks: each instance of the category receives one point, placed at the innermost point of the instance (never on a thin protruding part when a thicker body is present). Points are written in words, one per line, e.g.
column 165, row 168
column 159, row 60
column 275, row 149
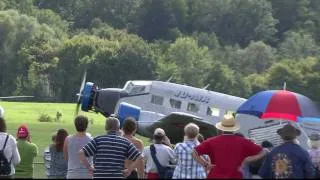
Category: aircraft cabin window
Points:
column 192, row 107
column 157, row 100
column 175, row 103
column 211, row 111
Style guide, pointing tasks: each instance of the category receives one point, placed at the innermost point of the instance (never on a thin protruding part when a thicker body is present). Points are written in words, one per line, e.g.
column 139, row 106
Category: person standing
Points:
column 109, row 152
column 227, row 151
column 288, row 160
column 28, row 151
column 187, row 167
column 163, row 153
column 9, row 153
column 129, row 129
column 58, row 166
column 72, row 145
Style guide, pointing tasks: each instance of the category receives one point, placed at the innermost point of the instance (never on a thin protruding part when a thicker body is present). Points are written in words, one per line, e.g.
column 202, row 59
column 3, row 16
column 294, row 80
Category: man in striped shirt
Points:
column 109, row 152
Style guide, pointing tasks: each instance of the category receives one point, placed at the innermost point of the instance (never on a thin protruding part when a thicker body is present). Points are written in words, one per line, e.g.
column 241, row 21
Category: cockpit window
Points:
column 137, row 90
column 193, row 107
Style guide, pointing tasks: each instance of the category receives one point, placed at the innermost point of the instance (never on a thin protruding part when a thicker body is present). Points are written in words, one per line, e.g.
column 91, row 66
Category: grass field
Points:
column 17, row 113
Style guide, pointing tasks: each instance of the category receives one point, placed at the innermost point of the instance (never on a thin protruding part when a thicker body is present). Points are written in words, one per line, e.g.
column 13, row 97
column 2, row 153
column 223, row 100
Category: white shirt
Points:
column 11, row 151
column 164, row 155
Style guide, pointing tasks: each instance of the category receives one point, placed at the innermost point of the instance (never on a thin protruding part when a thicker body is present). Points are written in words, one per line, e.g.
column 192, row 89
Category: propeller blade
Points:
column 82, row 85
column 80, row 93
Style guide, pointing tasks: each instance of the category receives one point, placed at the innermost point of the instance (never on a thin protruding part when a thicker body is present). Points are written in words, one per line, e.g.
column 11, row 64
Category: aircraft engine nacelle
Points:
column 100, row 100
column 126, row 110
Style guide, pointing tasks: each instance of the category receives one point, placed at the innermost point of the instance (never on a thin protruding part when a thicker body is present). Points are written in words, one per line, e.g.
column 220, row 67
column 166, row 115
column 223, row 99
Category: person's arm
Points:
column 133, row 154
column 88, row 151
column 140, row 166
column 256, row 157
column 35, row 150
column 15, row 152
column 139, row 160
column 201, row 160
column 65, row 149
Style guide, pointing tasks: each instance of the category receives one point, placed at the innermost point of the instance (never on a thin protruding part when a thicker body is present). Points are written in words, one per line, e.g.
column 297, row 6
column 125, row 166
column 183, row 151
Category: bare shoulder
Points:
column 137, row 142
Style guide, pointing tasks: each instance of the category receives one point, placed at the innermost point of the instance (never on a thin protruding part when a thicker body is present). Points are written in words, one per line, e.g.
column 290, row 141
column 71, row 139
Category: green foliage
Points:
column 298, row 46
column 44, row 117
column 237, row 46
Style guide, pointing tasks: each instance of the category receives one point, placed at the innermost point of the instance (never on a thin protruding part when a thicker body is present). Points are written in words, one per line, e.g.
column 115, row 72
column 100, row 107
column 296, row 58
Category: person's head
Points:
column 61, row 136
column 228, row 125
column 267, row 144
column 3, row 126
column 129, row 126
column 289, row 132
column 23, row 132
column 314, row 140
column 200, row 138
column 81, row 123
column 112, row 124
column 191, row 130
column 159, row 135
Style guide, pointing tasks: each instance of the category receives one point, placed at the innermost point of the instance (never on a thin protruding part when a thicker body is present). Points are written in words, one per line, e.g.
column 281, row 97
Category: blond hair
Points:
column 191, row 130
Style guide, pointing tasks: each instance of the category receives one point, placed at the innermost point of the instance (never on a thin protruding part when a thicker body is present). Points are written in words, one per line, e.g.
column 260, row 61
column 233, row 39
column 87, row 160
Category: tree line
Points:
column 238, row 47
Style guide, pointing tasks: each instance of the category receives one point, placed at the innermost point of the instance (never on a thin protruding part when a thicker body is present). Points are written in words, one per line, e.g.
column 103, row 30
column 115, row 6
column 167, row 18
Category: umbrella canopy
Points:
column 279, row 104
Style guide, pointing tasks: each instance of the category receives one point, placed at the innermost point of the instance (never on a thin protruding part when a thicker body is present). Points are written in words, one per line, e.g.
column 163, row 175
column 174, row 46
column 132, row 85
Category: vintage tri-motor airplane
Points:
column 159, row 104
column 171, row 106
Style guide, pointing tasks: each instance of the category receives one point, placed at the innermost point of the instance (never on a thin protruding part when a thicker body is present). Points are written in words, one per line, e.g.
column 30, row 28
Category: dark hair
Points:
column 129, row 125
column 3, row 126
column 61, row 136
column 200, row 138
column 81, row 123
column 266, row 144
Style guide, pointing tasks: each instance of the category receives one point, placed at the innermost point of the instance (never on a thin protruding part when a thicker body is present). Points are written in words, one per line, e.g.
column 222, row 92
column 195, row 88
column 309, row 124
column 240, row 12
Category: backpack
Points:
column 164, row 172
column 5, row 165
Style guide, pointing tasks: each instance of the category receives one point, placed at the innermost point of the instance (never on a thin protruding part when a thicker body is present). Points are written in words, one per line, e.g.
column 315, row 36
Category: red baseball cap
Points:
column 23, row 131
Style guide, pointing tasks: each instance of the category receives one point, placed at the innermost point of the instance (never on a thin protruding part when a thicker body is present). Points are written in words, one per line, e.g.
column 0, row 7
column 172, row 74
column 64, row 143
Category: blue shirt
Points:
column 110, row 152
column 288, row 160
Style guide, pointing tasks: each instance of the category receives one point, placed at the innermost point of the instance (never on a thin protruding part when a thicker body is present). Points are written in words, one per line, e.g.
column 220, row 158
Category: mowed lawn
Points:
column 17, row 113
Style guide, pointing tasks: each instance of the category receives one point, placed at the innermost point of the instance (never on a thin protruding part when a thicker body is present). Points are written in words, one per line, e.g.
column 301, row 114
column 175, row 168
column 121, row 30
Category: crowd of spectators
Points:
column 119, row 154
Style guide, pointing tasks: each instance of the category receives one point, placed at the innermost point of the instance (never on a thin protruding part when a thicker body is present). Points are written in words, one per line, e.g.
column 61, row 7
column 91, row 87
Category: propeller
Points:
column 80, row 93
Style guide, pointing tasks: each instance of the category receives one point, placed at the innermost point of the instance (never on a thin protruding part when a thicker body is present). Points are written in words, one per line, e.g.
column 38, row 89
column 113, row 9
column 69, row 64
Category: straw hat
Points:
column 228, row 123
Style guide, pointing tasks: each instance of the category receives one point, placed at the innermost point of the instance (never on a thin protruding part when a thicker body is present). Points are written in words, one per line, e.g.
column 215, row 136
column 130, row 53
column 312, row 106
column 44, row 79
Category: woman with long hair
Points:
column 59, row 166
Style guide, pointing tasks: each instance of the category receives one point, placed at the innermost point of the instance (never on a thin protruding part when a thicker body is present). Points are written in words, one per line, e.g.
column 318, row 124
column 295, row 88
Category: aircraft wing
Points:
column 174, row 123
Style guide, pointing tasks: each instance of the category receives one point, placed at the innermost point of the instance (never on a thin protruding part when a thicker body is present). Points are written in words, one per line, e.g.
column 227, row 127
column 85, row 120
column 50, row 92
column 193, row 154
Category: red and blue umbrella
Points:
column 280, row 104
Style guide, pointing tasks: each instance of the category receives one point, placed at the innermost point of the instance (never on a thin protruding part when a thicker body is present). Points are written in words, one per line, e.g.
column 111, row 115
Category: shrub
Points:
column 44, row 117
